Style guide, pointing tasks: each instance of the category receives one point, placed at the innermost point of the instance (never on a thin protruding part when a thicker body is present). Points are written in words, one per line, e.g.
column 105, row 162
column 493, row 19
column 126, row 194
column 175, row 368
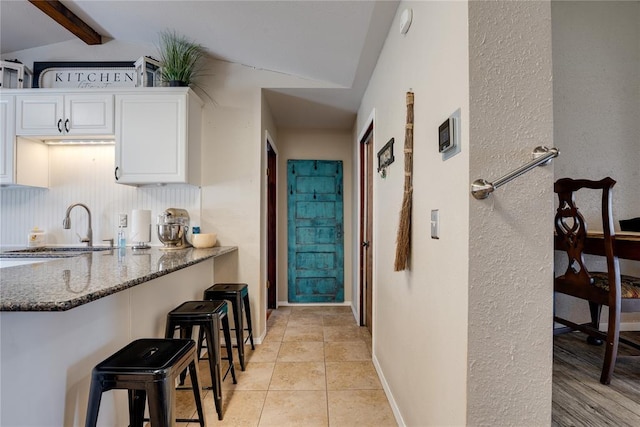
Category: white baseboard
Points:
column 387, row 391
column 310, row 304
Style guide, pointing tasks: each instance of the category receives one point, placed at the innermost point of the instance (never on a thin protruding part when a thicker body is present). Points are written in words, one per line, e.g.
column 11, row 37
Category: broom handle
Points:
column 408, row 145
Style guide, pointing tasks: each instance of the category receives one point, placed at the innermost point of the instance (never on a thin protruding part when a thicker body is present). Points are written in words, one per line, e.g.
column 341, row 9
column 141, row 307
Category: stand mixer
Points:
column 173, row 225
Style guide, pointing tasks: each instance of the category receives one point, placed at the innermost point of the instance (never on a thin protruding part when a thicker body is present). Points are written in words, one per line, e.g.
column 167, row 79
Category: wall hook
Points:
column 314, row 194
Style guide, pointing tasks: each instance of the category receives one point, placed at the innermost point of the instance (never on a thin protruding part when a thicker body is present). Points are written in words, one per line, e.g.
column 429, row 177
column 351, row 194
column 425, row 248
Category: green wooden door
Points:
column 315, row 231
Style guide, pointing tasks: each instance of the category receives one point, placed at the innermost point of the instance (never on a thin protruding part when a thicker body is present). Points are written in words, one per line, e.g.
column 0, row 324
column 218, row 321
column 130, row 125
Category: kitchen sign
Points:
column 84, row 75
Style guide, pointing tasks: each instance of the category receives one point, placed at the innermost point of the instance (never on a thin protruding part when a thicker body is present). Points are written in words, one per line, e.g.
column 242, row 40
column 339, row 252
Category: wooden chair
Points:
column 620, row 293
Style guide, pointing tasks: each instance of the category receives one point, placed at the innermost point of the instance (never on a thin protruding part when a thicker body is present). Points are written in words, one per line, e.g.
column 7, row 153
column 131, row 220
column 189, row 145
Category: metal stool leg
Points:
column 196, row 390
column 137, row 400
column 212, row 333
column 247, row 310
column 227, row 343
column 161, row 402
column 95, row 396
column 239, row 324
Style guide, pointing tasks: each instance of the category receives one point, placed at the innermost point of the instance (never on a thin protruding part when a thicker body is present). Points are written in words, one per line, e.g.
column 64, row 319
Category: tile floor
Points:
column 313, row 369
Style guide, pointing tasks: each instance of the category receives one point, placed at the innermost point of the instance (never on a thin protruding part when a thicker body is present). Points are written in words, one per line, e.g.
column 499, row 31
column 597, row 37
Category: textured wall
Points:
column 510, row 242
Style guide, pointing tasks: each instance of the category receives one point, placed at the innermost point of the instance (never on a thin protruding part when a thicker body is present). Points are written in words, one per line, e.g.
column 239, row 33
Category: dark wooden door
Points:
column 315, row 231
column 366, row 230
column 271, row 227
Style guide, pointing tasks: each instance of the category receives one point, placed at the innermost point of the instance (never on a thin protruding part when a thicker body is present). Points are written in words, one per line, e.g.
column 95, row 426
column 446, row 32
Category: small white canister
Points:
column 36, row 238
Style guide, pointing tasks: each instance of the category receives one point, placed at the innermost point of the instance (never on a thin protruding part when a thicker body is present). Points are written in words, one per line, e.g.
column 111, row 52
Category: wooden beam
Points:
column 63, row 16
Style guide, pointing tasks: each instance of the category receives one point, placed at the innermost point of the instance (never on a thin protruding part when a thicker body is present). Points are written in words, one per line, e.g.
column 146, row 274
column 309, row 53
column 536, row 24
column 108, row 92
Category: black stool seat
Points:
column 146, row 368
column 209, row 316
column 238, row 295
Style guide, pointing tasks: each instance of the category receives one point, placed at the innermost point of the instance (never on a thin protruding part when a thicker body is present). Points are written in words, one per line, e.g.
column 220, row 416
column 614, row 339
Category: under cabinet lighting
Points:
column 80, row 142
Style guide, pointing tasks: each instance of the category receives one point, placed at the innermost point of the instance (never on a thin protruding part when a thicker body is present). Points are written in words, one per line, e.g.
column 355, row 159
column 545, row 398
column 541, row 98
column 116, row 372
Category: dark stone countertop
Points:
column 64, row 283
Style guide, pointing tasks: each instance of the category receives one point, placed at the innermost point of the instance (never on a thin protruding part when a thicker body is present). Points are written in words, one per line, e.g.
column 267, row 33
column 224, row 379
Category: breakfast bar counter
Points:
column 62, row 317
column 62, row 283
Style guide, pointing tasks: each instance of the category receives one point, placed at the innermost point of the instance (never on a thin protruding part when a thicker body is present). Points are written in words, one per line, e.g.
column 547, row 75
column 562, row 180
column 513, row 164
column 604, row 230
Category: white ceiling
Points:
column 335, row 42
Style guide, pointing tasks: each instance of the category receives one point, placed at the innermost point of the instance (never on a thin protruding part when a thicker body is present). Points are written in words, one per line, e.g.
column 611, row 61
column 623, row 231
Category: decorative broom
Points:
column 403, row 241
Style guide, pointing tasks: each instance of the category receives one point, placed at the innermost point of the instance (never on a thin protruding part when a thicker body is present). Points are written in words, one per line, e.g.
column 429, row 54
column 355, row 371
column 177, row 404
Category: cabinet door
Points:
column 151, row 138
column 90, row 114
column 57, row 115
column 39, row 115
column 7, row 139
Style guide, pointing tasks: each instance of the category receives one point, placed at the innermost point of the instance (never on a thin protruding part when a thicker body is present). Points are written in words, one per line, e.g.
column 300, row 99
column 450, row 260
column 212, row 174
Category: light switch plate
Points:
column 435, row 224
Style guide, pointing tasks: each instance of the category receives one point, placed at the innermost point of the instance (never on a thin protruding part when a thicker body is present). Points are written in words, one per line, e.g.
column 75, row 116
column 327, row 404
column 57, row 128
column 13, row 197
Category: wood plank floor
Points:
column 578, row 397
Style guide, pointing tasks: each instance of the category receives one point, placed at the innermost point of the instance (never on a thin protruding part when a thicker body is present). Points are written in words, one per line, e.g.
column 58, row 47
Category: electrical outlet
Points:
column 122, row 222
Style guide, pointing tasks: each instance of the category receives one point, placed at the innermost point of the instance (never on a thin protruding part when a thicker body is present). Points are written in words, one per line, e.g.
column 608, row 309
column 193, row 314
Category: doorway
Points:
column 272, row 286
column 366, row 229
column 315, row 231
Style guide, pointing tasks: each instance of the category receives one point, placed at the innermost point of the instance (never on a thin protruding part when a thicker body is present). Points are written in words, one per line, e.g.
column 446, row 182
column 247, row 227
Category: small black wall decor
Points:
column 385, row 157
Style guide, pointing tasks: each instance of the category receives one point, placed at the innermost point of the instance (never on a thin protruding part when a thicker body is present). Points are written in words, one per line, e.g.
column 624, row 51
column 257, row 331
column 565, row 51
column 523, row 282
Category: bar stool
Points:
column 209, row 316
column 146, row 368
column 238, row 295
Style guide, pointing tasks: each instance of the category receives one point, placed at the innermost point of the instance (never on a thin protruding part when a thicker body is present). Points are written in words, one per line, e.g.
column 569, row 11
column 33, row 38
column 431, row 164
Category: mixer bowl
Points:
column 170, row 234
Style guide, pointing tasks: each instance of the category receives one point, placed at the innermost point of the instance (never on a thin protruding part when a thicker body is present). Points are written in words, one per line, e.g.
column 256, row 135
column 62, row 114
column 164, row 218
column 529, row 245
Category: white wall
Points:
column 510, row 245
column 315, row 145
column 596, row 67
column 596, row 73
column 420, row 315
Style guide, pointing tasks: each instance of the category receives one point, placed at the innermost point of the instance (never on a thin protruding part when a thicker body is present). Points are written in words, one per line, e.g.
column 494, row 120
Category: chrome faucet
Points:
column 66, row 224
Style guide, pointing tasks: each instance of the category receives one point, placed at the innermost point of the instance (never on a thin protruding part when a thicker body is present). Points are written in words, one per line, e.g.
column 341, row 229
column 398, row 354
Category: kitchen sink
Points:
column 13, row 262
column 53, row 252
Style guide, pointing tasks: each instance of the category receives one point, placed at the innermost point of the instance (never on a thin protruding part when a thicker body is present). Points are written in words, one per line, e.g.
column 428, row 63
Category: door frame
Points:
column 368, row 131
column 271, row 213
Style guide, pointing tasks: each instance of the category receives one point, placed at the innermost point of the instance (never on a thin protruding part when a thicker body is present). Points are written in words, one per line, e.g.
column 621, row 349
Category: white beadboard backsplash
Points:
column 84, row 174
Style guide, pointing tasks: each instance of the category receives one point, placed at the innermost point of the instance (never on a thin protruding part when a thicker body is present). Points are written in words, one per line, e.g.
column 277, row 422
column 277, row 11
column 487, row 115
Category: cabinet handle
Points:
column 115, row 173
column 60, row 125
column 66, row 125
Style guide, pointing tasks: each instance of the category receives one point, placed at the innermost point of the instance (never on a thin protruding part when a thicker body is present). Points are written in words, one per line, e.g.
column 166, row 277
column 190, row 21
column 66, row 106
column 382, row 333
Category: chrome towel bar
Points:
column 481, row 189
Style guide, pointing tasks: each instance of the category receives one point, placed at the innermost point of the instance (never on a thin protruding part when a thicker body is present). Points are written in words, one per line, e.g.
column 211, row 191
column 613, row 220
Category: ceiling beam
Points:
column 63, row 16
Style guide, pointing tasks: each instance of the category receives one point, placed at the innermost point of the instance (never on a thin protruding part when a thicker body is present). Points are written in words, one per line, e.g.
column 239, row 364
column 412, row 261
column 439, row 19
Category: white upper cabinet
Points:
column 22, row 161
column 7, row 138
column 158, row 137
column 54, row 115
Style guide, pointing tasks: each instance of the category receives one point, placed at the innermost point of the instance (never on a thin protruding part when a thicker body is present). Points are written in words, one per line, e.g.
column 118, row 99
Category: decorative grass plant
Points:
column 180, row 58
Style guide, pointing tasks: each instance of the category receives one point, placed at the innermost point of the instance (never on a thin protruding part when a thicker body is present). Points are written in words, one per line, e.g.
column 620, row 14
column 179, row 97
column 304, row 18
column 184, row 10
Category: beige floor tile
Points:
column 305, row 319
column 315, row 309
column 352, row 376
column 345, row 351
column 265, row 352
column 257, row 376
column 273, row 323
column 301, row 351
column 339, row 320
column 295, row 409
column 239, row 409
column 274, row 333
column 298, row 376
column 360, row 408
column 303, row 333
column 186, row 404
column 342, row 333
